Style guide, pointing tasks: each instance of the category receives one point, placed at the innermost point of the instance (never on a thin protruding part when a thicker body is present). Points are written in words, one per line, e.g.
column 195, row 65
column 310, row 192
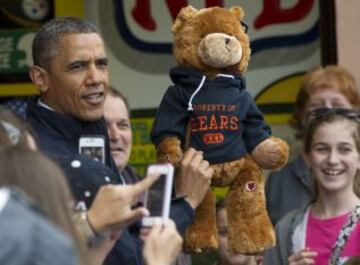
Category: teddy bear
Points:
column 208, row 108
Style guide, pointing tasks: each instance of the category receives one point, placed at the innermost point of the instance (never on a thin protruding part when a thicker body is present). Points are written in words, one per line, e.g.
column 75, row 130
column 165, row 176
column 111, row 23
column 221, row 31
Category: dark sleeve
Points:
column 127, row 250
column 172, row 117
column 272, row 257
column 182, row 214
column 130, row 175
column 255, row 128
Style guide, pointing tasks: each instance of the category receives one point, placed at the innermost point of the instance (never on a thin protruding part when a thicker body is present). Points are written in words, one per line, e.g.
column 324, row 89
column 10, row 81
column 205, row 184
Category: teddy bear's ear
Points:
column 184, row 14
column 238, row 12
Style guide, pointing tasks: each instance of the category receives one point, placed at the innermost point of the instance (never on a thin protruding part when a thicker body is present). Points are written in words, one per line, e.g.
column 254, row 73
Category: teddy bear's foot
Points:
column 252, row 237
column 249, row 227
column 202, row 236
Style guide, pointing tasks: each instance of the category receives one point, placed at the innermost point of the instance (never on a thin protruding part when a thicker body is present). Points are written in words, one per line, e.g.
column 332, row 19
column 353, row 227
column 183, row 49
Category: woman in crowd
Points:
column 44, row 182
column 326, row 231
column 331, row 86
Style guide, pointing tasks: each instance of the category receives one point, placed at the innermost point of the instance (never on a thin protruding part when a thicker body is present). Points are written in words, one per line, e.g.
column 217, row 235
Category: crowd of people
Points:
column 61, row 207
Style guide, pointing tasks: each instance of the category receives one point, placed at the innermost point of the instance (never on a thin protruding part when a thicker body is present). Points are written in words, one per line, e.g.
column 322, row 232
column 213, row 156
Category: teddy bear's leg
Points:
column 249, row 228
column 202, row 235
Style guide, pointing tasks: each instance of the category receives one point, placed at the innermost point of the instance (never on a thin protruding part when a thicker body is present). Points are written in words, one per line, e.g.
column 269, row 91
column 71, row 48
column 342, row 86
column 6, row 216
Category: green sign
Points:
column 15, row 51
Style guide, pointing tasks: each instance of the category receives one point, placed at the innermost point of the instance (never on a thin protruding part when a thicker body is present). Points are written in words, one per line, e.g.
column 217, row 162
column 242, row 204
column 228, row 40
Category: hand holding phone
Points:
column 158, row 196
column 93, row 146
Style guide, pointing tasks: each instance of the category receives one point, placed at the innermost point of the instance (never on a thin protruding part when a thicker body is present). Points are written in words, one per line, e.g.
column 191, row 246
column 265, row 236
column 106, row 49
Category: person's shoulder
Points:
column 86, row 176
column 52, row 244
column 292, row 168
column 28, row 233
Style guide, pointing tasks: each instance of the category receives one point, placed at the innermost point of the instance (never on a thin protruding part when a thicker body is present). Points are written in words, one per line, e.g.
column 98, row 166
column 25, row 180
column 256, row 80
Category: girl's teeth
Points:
column 332, row 172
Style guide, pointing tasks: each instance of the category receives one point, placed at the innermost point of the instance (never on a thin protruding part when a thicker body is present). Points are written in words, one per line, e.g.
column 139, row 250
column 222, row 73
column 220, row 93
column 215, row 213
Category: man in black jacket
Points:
column 71, row 73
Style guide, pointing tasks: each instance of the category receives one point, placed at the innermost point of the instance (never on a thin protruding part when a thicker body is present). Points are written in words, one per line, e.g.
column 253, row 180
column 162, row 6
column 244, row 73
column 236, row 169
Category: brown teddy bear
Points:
column 209, row 108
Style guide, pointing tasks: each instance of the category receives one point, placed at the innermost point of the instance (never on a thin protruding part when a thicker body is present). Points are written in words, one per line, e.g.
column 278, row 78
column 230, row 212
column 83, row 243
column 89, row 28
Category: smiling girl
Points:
column 327, row 231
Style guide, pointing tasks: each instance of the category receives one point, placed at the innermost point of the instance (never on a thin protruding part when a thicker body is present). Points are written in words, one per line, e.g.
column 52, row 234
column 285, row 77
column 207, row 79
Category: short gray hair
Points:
column 46, row 41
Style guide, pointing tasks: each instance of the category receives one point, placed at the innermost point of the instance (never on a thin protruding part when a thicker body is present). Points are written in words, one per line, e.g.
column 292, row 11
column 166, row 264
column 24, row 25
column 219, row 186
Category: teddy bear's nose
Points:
column 227, row 40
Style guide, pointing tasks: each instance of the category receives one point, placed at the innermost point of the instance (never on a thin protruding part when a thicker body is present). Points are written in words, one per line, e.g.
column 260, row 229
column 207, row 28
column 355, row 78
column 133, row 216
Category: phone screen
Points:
column 155, row 197
column 93, row 146
column 96, row 152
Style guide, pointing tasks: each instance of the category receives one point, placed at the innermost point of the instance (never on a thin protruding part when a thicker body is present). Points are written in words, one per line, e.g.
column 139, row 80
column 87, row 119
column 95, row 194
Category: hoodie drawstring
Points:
column 190, row 107
column 227, row 76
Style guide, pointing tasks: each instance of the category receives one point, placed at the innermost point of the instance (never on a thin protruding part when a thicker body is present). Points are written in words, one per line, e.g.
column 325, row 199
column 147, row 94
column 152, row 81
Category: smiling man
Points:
column 71, row 73
column 75, row 80
column 117, row 116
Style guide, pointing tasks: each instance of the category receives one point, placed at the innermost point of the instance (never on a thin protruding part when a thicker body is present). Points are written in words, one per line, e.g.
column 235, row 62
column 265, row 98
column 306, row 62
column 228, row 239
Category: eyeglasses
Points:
column 324, row 112
column 244, row 26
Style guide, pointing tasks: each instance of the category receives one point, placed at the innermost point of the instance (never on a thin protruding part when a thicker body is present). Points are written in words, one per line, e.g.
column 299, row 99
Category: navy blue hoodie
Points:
column 225, row 122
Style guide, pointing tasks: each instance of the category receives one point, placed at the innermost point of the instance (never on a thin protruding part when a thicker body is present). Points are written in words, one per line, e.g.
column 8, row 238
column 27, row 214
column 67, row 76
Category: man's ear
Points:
column 39, row 77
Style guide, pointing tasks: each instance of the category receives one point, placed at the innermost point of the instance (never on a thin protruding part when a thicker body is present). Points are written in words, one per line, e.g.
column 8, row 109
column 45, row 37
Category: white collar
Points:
column 42, row 104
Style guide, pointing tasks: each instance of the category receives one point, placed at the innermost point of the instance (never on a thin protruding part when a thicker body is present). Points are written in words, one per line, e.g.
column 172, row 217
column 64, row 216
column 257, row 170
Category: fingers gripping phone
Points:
column 158, row 196
column 93, row 146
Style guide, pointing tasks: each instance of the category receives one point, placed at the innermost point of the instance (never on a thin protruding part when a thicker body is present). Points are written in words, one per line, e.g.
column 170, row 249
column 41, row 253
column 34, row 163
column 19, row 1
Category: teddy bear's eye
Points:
column 244, row 26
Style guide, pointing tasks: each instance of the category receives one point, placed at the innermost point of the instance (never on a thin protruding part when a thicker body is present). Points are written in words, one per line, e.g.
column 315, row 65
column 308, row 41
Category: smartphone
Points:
column 158, row 196
column 93, row 146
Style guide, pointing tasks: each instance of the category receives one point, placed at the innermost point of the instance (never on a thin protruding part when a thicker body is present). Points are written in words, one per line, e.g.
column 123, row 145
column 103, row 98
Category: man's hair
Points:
column 117, row 94
column 46, row 42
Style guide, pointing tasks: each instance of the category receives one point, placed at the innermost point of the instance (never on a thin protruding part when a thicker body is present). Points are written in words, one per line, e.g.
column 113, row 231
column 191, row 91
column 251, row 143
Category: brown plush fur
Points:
column 199, row 43
column 192, row 25
column 205, row 225
column 249, row 226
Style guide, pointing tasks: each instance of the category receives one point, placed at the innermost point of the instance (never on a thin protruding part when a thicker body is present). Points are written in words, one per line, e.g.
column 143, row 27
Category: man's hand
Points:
column 162, row 245
column 111, row 208
column 194, row 177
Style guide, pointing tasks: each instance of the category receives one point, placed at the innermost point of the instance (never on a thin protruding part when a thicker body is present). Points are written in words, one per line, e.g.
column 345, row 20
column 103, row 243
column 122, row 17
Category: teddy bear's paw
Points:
column 272, row 153
column 251, row 241
column 201, row 236
column 169, row 151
